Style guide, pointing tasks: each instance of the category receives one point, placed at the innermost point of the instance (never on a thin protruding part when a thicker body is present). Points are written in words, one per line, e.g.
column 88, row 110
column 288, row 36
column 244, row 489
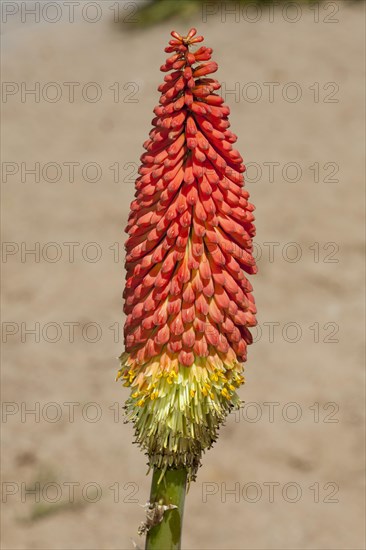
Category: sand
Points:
column 287, row 472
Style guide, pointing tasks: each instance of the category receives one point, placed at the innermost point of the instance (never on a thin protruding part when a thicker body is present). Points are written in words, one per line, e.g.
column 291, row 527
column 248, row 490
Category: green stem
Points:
column 168, row 488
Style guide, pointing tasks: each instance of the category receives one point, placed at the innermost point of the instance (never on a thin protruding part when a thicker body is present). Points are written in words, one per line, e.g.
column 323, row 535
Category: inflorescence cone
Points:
column 187, row 300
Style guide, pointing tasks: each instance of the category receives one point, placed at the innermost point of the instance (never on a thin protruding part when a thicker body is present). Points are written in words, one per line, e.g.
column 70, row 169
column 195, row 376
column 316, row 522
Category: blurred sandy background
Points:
column 312, row 375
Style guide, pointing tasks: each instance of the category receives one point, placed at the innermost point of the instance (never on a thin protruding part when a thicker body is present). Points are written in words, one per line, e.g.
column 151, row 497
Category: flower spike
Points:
column 188, row 301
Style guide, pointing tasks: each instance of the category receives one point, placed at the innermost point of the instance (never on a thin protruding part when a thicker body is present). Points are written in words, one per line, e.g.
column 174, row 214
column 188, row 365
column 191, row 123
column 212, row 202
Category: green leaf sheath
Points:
column 168, row 488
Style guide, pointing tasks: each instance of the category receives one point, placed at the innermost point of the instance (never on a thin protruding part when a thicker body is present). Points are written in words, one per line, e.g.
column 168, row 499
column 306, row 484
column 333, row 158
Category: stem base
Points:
column 168, row 487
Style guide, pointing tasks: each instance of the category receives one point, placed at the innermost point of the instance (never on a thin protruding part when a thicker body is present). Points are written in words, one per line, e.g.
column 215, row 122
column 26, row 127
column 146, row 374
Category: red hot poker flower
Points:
column 187, row 299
